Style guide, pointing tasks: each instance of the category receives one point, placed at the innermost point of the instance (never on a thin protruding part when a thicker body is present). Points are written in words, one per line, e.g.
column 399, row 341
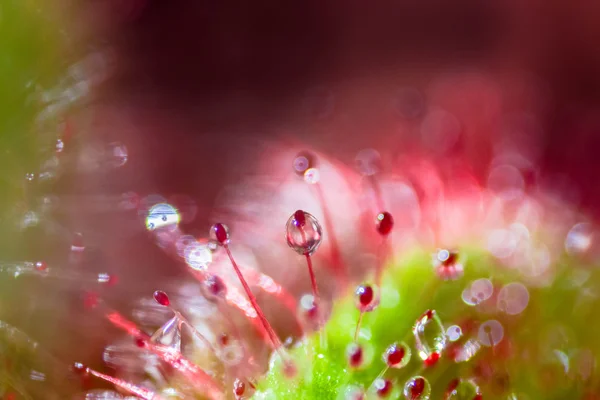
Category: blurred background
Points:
column 207, row 104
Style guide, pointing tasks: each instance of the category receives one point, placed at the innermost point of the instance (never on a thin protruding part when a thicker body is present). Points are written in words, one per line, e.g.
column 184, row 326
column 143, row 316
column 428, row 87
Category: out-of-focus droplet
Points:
column 462, row 389
column 169, row 334
column 430, row 335
column 129, row 201
column 312, row 176
column 513, row 298
column 447, row 264
column 351, row 392
column 232, row 353
column 197, row 256
column 579, row 239
column 117, row 154
column 30, row 219
column 162, row 215
column 366, row 297
column 397, row 355
column 304, row 237
column 506, row 182
column 502, row 243
column 454, row 333
column 477, row 292
column 183, row 242
column 440, row 130
column 490, row 333
column 319, row 102
column 368, row 162
column 303, row 162
column 409, row 103
column 213, row 288
column 383, row 387
column 417, row 388
column 464, row 352
column 60, row 145
column 310, row 312
column 77, row 244
column 384, row 223
column 355, row 355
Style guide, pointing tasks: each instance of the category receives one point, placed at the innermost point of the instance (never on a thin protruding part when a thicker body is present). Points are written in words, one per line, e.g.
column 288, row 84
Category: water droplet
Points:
column 303, row 162
column 447, row 265
column 579, row 239
column 197, row 256
column 305, row 238
column 310, row 312
column 312, row 176
column 366, row 297
column 213, row 288
column 430, row 335
column 384, row 223
column 242, row 389
column 41, row 266
column 220, row 233
column 513, row 298
column 397, row 355
column 162, row 215
column 490, row 333
column 417, row 388
column 169, row 334
column 454, row 333
column 351, row 392
column 368, row 162
column 479, row 291
column 117, row 154
column 383, row 387
column 161, row 298
column 461, row 389
column 355, row 355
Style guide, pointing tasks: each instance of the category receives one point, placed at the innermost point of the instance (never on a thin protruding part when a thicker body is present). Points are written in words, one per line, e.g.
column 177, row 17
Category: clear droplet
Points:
column 162, row 215
column 303, row 233
column 169, row 334
column 417, row 388
column 397, row 355
column 368, row 162
column 430, row 335
column 197, row 256
column 303, row 162
column 117, row 154
column 490, row 333
column 454, row 333
column 366, row 297
column 462, row 389
column 312, row 176
column 513, row 298
column 579, row 239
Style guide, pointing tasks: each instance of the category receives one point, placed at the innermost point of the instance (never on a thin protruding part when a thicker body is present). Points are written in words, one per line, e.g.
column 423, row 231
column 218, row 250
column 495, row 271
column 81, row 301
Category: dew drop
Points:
column 430, row 335
column 162, row 215
column 213, row 288
column 384, row 223
column 417, row 388
column 454, row 333
column 513, row 298
column 161, row 298
column 368, row 162
column 383, row 387
column 366, row 297
column 303, row 162
column 197, row 256
column 490, row 333
column 220, row 233
column 397, row 355
column 461, row 389
column 355, row 355
column 312, row 176
column 579, row 239
column 304, row 235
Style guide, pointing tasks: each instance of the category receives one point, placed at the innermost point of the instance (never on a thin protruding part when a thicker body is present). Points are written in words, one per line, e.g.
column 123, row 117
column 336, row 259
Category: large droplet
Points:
column 169, row 334
column 397, row 355
column 461, row 389
column 417, row 388
column 303, row 233
column 430, row 336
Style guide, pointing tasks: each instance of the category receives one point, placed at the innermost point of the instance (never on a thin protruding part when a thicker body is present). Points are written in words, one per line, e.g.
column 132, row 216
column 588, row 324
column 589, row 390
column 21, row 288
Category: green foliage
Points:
column 545, row 351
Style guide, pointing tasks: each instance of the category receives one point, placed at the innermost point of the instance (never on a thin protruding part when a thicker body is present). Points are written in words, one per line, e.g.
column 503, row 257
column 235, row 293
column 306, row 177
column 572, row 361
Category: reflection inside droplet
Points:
column 162, row 215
